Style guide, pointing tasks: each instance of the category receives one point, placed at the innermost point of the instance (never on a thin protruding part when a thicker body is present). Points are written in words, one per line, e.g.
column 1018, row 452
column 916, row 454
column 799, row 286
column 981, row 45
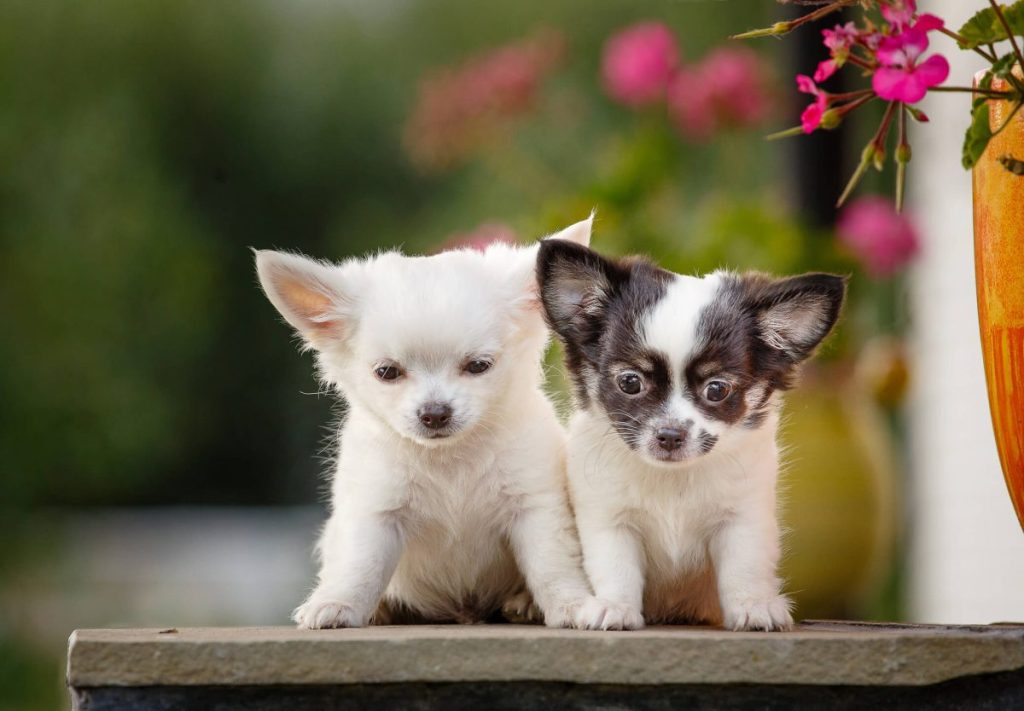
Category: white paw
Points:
column 599, row 614
column 318, row 613
column 521, row 609
column 768, row 614
column 593, row 613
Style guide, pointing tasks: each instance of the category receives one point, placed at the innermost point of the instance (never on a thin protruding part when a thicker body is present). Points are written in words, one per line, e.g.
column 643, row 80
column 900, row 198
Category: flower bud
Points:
column 878, row 158
column 831, row 119
column 903, row 153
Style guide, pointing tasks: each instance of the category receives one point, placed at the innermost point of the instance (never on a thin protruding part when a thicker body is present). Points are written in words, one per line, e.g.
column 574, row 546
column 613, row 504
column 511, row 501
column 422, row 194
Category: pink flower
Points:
column 839, row 40
column 883, row 240
column 691, row 103
column 457, row 108
column 901, row 78
column 810, row 119
column 841, row 37
column 481, row 237
column 899, row 13
column 726, row 89
column 825, row 69
column 638, row 63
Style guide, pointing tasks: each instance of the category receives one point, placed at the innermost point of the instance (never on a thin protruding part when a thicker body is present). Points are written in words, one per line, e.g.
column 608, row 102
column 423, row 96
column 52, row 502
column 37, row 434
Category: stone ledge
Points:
column 815, row 654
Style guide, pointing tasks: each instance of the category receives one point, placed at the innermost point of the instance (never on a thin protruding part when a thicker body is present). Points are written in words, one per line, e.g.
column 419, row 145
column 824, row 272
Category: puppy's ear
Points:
column 578, row 233
column 518, row 264
column 575, row 287
column 307, row 293
column 795, row 314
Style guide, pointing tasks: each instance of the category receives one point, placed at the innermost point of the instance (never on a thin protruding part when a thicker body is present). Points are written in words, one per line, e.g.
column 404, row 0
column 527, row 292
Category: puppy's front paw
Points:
column 749, row 613
column 318, row 613
column 521, row 609
column 598, row 614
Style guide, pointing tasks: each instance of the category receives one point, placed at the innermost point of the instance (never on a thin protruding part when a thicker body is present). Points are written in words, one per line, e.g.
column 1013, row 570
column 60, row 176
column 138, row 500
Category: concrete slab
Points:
column 814, row 654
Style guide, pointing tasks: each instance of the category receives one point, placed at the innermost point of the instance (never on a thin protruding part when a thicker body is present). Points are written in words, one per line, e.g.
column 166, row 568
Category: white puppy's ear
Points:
column 307, row 293
column 578, row 233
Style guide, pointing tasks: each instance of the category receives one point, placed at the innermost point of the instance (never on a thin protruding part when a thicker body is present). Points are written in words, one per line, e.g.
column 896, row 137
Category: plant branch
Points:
column 783, row 28
column 902, row 158
column 969, row 90
column 963, row 41
column 998, row 9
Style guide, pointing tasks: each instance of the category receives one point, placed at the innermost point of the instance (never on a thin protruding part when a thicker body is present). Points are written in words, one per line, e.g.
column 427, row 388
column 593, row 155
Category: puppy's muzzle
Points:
column 671, row 439
column 435, row 415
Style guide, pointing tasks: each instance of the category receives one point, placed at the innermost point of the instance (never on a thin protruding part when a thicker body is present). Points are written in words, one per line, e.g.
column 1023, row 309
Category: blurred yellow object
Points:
column 883, row 369
column 838, row 493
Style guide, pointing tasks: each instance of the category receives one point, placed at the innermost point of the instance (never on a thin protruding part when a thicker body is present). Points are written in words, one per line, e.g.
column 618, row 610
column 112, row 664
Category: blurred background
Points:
column 163, row 445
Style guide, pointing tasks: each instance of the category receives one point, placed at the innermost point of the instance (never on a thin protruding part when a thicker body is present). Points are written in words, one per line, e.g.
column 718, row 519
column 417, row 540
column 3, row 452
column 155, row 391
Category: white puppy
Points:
column 673, row 459
column 451, row 463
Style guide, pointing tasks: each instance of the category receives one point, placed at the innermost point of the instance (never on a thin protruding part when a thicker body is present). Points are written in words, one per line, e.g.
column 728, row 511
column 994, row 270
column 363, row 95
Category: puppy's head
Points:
column 680, row 365
column 432, row 346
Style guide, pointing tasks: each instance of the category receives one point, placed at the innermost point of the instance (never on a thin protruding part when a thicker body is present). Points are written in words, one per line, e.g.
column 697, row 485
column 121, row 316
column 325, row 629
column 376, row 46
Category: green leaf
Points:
column 1003, row 66
column 985, row 27
column 978, row 134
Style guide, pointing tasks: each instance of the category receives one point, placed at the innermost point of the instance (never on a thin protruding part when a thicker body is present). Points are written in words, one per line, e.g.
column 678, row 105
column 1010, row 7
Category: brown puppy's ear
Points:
column 795, row 314
column 575, row 288
column 308, row 294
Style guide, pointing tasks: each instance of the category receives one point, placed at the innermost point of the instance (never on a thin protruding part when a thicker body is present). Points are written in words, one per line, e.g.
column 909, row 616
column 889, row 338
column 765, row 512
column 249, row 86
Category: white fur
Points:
column 694, row 540
column 439, row 526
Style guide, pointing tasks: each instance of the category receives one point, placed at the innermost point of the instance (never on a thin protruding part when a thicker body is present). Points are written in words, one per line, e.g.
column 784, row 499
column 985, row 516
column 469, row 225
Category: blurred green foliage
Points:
column 146, row 146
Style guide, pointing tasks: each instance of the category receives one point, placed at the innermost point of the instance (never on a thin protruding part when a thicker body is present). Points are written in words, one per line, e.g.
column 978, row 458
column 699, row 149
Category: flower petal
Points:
column 805, row 84
column 888, row 83
column 932, row 71
column 825, row 70
column 810, row 119
column 927, row 23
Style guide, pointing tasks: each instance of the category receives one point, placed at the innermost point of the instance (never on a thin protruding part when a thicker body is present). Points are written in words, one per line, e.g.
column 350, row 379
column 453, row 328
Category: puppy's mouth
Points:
column 683, row 449
column 434, row 437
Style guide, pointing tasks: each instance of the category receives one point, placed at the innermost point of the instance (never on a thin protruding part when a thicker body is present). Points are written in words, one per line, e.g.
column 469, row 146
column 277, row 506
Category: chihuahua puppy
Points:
column 449, row 487
column 673, row 459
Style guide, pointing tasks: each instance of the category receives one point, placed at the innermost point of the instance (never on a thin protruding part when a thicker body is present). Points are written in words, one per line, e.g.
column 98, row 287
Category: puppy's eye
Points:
column 717, row 390
column 387, row 372
column 630, row 383
column 476, row 367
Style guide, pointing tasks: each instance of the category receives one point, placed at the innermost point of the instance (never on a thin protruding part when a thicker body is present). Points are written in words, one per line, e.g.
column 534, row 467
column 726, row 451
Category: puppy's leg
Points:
column 521, row 609
column 359, row 553
column 614, row 561
column 547, row 550
column 746, row 554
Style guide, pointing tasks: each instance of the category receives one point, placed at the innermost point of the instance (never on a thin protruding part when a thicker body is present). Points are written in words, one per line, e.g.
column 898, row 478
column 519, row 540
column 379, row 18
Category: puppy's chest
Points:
column 464, row 498
column 677, row 524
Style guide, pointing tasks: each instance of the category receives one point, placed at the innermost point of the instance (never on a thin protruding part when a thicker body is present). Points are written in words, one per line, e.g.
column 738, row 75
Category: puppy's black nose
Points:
column 670, row 438
column 435, row 415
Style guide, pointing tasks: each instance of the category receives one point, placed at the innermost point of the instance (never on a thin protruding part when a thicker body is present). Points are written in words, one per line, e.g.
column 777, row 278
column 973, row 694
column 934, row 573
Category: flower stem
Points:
column 873, row 152
column 861, row 62
column 847, row 108
column 997, row 8
column 850, row 95
column 784, row 28
column 865, row 161
column 970, row 90
column 963, row 41
column 902, row 158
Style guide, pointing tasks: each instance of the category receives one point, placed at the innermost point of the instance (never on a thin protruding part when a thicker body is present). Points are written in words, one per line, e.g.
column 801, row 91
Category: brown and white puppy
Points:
column 673, row 459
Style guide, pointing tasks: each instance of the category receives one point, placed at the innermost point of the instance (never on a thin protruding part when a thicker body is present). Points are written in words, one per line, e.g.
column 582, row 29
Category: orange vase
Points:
column 999, row 272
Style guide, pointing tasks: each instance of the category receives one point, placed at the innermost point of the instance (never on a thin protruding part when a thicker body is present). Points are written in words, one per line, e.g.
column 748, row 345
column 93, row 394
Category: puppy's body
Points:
column 635, row 519
column 450, row 478
column 454, row 515
column 673, row 461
